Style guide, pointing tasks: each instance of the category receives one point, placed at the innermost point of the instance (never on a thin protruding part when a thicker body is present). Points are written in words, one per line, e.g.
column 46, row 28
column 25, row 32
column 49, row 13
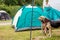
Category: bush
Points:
column 10, row 9
column 39, row 2
column 10, row 2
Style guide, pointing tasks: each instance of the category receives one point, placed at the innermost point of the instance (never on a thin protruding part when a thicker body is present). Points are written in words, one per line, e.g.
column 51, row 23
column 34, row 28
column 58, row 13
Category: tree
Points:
column 39, row 2
column 36, row 2
column 20, row 2
column 11, row 2
column 1, row 1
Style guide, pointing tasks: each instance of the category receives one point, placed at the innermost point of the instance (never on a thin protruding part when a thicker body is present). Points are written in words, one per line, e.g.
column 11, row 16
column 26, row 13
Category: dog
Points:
column 48, row 24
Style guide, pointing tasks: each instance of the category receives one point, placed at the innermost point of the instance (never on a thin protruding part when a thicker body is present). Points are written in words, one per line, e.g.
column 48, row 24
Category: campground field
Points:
column 8, row 33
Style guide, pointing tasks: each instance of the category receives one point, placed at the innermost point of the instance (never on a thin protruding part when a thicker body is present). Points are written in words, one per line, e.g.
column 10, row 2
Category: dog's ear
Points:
column 41, row 18
column 46, row 19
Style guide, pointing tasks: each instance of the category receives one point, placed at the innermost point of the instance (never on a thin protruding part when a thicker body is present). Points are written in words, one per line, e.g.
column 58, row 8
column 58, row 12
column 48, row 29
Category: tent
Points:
column 4, row 15
column 23, row 18
column 27, row 17
column 52, row 13
column 52, row 9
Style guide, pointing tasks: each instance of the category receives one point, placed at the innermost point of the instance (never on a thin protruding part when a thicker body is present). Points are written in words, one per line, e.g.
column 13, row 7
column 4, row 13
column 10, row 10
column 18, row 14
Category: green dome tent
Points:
column 23, row 18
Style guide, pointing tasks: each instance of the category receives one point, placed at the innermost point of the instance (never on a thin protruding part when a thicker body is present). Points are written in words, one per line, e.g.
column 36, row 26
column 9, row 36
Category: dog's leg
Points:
column 44, row 28
column 50, row 30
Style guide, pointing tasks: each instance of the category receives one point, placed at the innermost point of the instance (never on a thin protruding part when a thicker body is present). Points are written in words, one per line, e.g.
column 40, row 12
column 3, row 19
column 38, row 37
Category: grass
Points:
column 8, row 33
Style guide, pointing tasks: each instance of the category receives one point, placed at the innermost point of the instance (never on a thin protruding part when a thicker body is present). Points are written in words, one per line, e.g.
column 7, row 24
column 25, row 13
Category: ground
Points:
column 8, row 33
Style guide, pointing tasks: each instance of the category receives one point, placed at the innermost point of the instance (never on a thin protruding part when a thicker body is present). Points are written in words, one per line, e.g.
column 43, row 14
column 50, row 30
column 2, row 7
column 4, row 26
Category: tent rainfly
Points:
column 22, row 19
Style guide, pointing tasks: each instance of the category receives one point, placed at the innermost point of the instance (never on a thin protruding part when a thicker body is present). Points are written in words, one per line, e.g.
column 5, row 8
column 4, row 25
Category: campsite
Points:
column 19, row 20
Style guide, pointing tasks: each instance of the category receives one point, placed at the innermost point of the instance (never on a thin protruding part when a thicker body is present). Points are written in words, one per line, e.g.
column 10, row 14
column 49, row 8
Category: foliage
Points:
column 10, row 9
column 11, row 6
column 39, row 2
column 20, row 2
column 11, row 2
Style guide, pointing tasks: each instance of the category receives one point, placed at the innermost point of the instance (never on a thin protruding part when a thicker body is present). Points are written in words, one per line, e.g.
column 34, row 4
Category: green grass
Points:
column 8, row 33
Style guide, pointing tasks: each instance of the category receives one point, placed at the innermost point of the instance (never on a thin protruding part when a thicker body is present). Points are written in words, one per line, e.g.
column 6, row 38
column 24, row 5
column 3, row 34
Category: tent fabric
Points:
column 52, row 13
column 24, row 17
column 4, row 15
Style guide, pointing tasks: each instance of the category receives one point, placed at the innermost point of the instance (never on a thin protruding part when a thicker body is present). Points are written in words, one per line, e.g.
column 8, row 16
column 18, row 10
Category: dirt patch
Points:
column 39, row 37
column 5, row 23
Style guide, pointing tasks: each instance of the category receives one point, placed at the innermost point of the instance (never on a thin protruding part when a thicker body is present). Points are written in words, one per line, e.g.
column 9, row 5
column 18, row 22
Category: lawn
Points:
column 8, row 33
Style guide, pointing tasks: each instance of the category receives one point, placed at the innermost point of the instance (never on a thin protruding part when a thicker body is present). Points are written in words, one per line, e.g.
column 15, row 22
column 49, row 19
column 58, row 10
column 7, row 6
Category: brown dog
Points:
column 46, row 26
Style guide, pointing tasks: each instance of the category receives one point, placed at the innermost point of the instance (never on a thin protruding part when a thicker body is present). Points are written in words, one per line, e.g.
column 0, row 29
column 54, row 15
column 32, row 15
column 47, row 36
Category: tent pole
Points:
column 31, row 20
